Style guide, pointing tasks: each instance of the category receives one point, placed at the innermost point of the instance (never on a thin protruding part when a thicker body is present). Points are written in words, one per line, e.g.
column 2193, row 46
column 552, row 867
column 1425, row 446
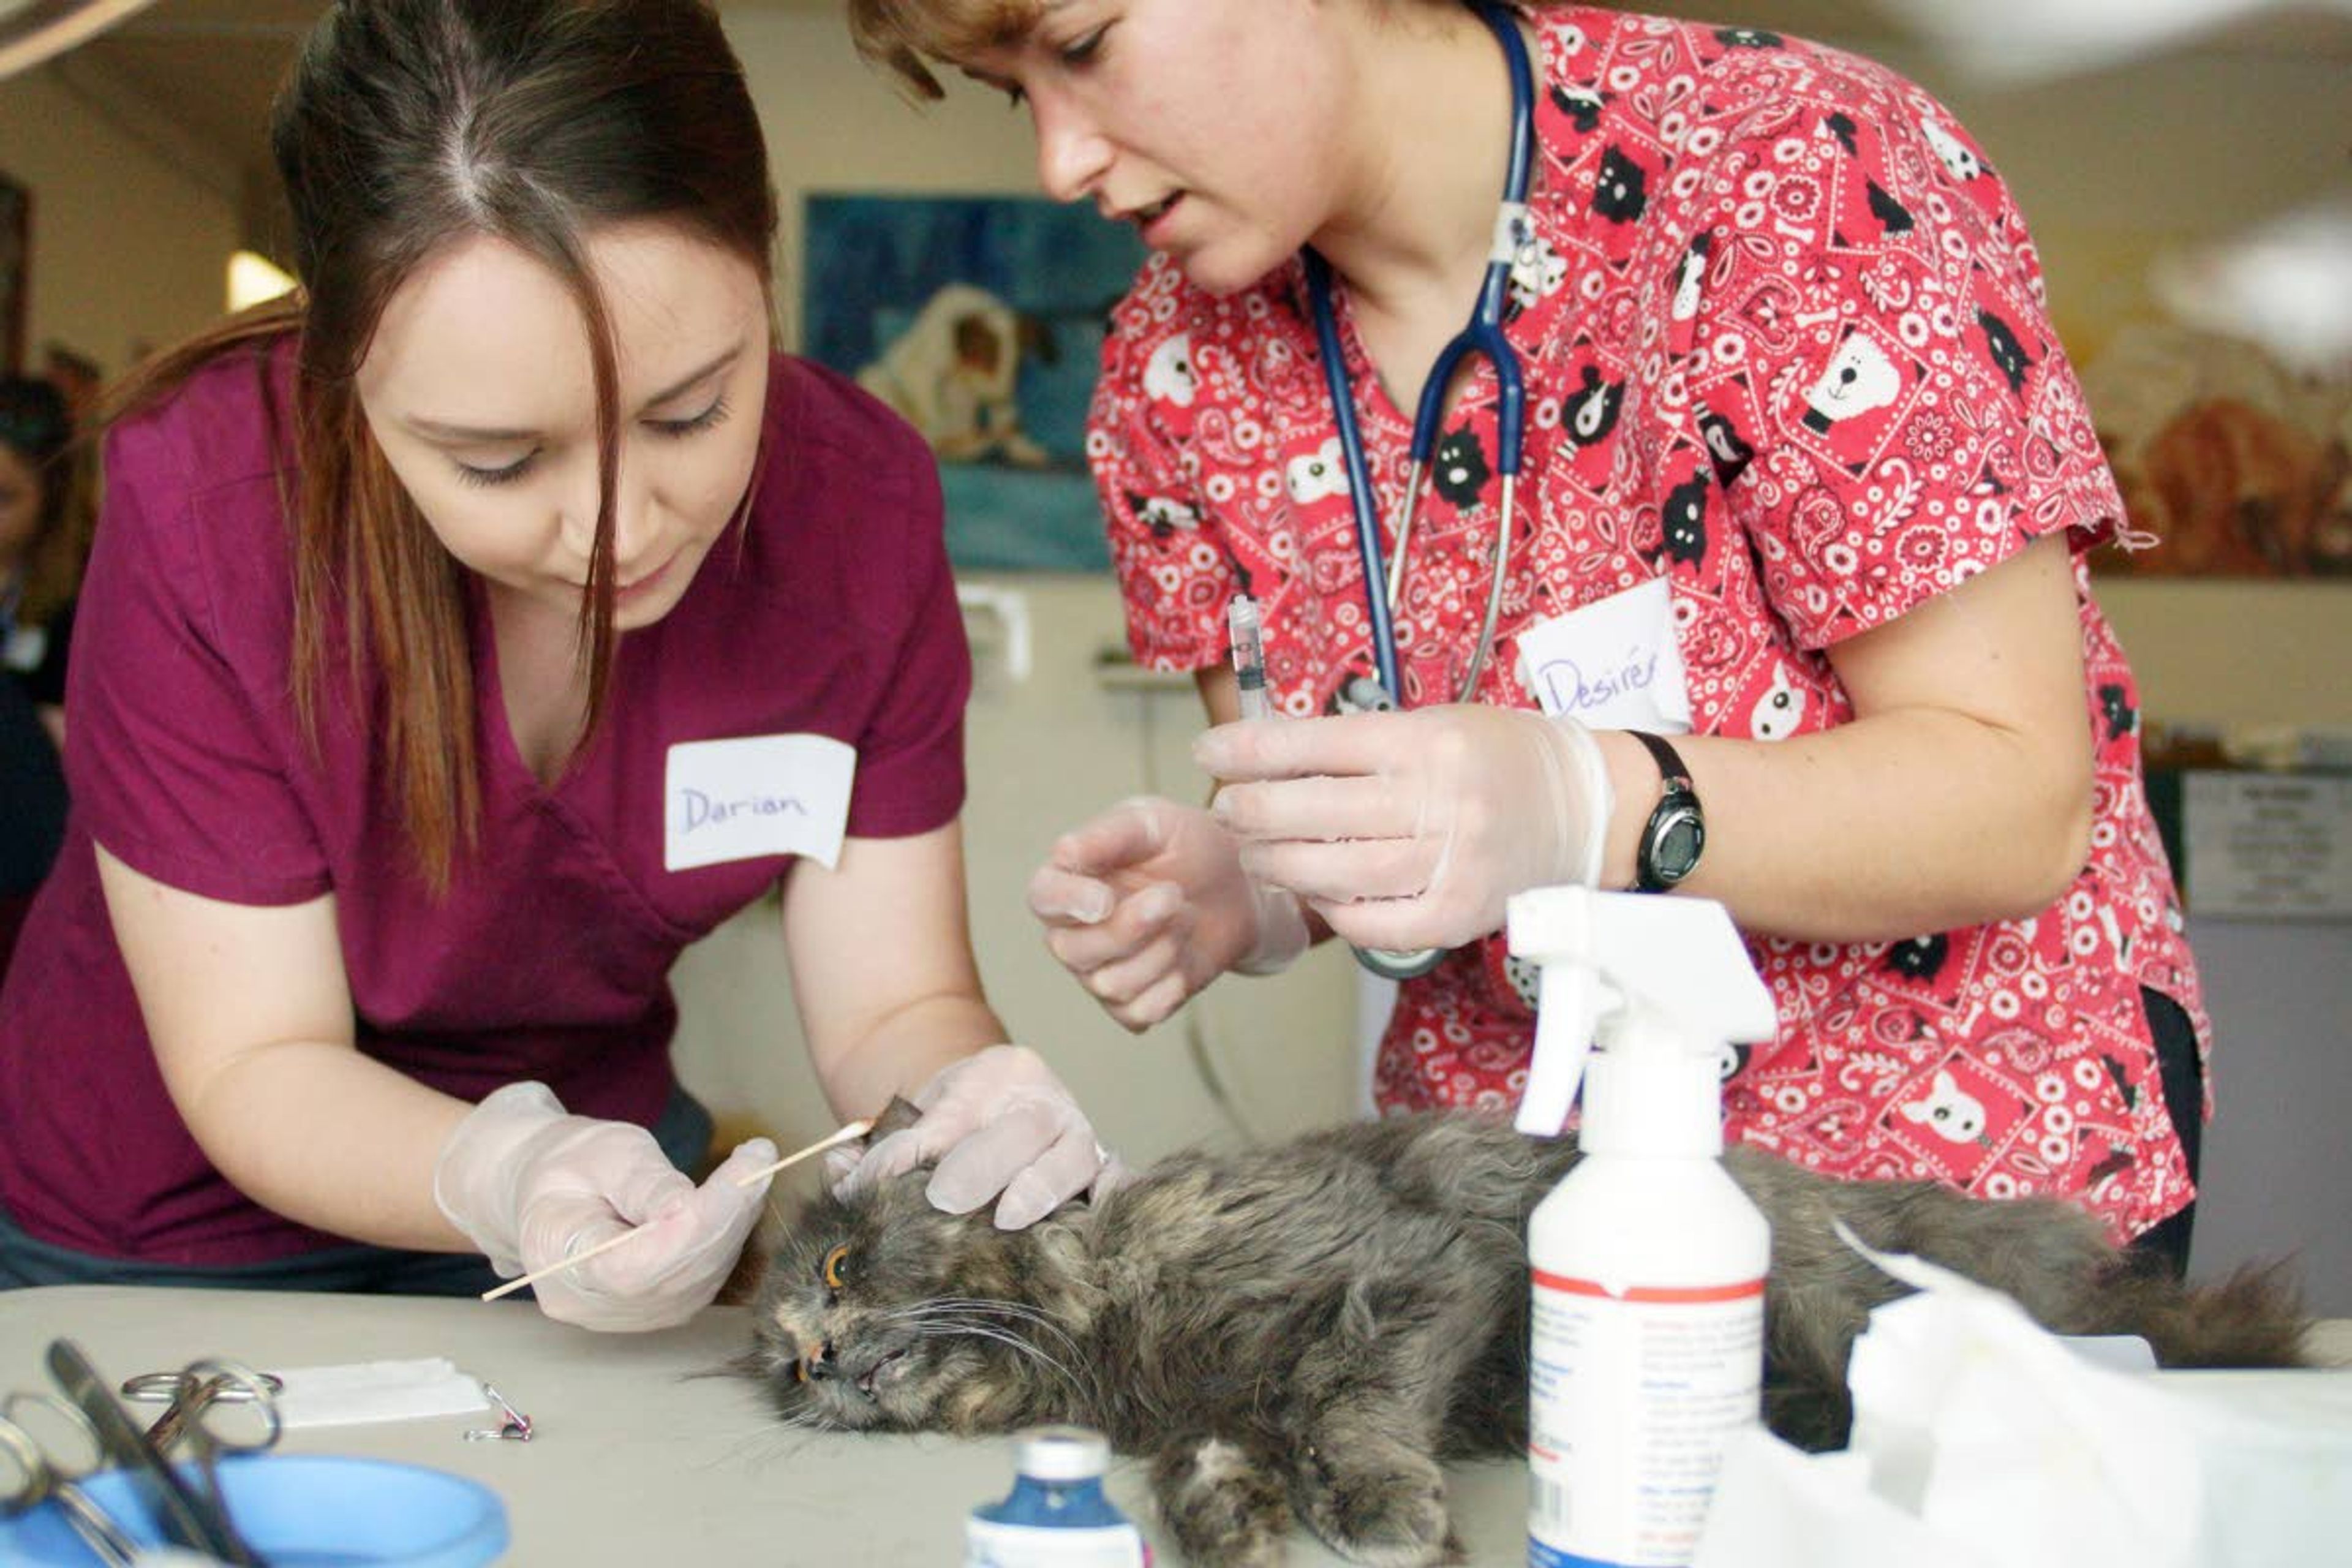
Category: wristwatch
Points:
column 1675, row 834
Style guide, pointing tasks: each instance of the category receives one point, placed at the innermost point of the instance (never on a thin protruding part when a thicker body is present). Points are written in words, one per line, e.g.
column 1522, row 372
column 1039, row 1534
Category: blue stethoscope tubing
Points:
column 1483, row 335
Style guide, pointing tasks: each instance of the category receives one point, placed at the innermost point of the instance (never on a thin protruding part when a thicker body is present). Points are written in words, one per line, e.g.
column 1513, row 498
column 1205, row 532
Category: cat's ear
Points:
column 896, row 1117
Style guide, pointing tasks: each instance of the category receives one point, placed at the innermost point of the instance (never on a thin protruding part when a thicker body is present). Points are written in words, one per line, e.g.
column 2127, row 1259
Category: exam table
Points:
column 644, row 1450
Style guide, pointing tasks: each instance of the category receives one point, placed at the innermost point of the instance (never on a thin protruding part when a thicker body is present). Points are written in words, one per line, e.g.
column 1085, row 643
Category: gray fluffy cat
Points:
column 1314, row 1326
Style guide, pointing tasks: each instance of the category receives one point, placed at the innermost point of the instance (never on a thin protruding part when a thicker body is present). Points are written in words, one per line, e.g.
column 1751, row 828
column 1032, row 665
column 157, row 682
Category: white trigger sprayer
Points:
column 1614, row 960
column 1647, row 1260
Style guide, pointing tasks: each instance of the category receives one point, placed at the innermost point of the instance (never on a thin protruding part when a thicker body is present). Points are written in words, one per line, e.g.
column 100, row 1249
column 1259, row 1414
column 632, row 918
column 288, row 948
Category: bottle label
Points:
column 1632, row 1398
column 990, row 1544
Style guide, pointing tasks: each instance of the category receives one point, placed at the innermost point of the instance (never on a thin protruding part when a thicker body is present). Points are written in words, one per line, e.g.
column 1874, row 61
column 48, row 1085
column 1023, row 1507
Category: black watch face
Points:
column 1673, row 840
column 1676, row 844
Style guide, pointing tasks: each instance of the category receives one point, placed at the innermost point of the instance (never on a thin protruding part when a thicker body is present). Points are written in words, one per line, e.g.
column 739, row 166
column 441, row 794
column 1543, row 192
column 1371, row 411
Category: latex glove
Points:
column 997, row 1123
column 1148, row 902
column 532, row 1185
column 1410, row 830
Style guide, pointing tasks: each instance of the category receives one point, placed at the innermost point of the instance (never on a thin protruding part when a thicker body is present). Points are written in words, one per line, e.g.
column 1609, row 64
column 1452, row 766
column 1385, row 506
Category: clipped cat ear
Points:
column 896, row 1117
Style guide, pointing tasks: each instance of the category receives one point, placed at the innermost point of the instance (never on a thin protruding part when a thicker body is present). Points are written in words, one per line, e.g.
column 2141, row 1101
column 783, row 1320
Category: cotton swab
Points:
column 858, row 1129
column 854, row 1130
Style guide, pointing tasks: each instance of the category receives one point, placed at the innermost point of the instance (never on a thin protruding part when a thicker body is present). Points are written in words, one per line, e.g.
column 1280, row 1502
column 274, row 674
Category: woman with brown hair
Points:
column 1750, row 560
column 465, row 638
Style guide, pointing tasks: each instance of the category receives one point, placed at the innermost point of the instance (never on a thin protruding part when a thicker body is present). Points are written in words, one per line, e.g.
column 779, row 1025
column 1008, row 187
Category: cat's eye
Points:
column 835, row 1271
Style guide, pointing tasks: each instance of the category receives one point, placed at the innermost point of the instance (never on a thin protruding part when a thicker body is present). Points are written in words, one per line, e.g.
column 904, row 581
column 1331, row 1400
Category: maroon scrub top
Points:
column 550, row 957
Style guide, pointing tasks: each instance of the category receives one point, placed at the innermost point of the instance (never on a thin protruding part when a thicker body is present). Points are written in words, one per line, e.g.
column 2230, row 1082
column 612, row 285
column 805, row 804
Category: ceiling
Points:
column 200, row 73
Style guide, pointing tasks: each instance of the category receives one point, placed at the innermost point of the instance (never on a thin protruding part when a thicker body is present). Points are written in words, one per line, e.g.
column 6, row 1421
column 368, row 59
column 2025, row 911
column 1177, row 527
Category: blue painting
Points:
column 979, row 319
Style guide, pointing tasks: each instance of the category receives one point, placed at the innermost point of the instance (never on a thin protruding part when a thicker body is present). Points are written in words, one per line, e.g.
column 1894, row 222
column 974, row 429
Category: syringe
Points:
column 1249, row 657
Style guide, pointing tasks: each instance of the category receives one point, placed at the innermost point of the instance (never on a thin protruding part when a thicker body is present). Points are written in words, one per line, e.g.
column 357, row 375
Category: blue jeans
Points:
column 683, row 1130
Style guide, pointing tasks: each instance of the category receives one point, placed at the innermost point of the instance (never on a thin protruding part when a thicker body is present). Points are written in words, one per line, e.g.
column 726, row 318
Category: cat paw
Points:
column 1225, row 1509
column 1381, row 1518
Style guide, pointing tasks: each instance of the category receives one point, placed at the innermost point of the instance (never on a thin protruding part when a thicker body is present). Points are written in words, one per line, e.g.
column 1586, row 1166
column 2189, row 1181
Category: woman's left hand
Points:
column 1410, row 830
column 997, row 1123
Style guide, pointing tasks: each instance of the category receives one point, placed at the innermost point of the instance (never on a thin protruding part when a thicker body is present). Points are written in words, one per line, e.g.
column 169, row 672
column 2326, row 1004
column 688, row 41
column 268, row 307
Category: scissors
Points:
column 1514, row 232
column 41, row 1477
column 186, row 1514
column 189, row 1395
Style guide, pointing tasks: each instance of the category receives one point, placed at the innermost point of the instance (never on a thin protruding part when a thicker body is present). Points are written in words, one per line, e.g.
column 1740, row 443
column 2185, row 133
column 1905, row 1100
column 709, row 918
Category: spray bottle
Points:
column 1647, row 1260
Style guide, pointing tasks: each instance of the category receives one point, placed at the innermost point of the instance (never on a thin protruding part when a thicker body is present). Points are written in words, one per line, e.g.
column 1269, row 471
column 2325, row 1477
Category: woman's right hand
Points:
column 1148, row 902
column 532, row 1185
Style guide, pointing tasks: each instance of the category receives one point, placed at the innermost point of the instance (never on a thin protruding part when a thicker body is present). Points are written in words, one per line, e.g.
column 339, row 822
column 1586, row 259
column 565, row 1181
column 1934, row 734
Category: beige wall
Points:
column 131, row 235
column 833, row 125
column 2232, row 654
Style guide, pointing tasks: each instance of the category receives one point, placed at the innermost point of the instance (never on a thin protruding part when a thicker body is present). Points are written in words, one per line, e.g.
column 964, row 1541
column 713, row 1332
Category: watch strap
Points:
column 1669, row 761
column 1677, row 807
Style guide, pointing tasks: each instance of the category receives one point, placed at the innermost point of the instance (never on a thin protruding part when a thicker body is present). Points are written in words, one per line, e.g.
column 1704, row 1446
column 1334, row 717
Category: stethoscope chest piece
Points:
column 1391, row 964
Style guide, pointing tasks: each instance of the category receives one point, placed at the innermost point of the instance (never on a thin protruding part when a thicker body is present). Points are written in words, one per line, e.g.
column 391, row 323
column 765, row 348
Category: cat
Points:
column 1317, row 1325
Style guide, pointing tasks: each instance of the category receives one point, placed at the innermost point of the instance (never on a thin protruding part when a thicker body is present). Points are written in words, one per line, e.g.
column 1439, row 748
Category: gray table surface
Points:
column 640, row 1454
column 645, row 1449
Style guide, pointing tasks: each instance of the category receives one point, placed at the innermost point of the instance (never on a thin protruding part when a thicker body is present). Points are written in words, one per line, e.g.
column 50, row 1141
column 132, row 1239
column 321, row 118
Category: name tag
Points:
column 762, row 795
column 1613, row 664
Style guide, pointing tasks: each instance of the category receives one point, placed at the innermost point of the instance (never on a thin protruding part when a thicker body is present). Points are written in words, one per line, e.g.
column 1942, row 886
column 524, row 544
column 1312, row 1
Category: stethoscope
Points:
column 1514, row 232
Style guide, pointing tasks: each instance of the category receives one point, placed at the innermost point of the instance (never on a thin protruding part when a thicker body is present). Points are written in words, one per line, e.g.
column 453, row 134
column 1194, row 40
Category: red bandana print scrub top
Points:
column 1787, row 354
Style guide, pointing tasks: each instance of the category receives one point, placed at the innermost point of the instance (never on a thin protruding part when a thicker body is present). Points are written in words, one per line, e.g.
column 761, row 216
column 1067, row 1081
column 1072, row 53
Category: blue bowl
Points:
column 302, row 1510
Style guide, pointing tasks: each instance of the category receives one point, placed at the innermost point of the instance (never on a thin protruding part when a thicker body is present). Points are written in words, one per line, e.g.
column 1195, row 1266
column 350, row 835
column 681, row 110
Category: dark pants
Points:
column 683, row 1132
column 32, row 808
column 2183, row 1078
column 32, row 794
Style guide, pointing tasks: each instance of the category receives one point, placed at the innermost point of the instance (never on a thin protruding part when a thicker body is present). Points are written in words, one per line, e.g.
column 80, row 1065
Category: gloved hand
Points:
column 531, row 1185
column 1410, row 830
column 998, row 1121
column 1148, row 902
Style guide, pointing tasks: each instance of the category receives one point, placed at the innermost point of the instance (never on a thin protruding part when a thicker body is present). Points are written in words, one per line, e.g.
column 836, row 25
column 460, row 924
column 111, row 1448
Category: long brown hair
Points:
column 406, row 126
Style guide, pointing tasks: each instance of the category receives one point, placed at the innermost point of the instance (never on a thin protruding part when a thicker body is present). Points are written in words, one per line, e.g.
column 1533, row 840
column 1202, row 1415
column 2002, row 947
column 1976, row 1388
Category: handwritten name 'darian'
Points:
column 701, row 811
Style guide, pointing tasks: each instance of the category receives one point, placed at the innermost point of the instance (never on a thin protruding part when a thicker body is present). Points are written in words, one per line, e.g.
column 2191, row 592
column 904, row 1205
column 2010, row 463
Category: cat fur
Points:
column 1316, row 1326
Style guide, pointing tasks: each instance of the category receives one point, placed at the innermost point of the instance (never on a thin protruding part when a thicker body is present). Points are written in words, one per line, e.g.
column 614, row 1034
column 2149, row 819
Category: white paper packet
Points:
column 1981, row 1440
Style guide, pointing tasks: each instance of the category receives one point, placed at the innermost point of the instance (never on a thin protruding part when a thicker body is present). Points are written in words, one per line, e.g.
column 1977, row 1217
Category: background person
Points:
column 465, row 637
column 1807, row 477
column 43, row 540
column 40, row 567
column 32, row 810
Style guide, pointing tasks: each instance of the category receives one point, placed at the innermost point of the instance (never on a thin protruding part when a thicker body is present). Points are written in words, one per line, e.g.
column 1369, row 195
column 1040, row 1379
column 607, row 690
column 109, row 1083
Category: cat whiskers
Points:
column 1020, row 1310
column 933, row 1322
column 959, row 1316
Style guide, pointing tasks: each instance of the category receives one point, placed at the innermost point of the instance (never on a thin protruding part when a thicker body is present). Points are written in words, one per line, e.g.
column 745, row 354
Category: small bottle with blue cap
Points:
column 1057, row 1515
